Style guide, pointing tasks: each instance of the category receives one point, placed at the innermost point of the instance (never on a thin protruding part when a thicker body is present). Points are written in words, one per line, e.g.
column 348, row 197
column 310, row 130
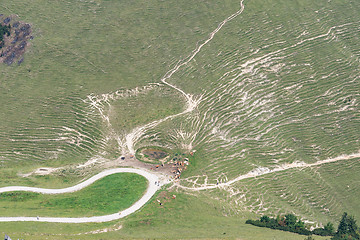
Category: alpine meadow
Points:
column 230, row 110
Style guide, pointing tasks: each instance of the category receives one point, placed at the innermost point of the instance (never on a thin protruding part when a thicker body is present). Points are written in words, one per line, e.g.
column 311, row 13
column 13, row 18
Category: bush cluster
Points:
column 290, row 223
column 347, row 229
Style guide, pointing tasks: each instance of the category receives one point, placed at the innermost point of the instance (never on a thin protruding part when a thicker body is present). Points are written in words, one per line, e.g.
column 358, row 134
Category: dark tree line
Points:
column 347, row 229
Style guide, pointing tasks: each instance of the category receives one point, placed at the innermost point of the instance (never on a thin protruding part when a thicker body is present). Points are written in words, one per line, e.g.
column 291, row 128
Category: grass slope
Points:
column 83, row 48
column 278, row 84
column 106, row 196
column 186, row 217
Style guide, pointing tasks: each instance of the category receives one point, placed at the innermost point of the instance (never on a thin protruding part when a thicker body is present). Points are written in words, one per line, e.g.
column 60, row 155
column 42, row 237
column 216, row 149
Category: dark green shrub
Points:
column 347, row 228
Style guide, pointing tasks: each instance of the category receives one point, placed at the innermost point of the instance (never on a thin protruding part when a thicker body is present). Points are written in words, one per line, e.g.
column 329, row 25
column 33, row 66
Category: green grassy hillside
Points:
column 106, row 196
column 277, row 88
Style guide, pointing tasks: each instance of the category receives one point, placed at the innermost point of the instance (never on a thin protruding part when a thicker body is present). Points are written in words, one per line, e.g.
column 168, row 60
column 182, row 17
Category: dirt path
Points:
column 263, row 170
column 151, row 190
column 191, row 102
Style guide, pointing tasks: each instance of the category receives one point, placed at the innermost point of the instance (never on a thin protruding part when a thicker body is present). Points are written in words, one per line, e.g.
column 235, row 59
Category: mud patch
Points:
column 154, row 154
column 14, row 45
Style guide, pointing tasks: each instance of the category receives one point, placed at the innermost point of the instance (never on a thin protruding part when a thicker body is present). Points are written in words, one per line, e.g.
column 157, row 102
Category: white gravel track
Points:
column 151, row 190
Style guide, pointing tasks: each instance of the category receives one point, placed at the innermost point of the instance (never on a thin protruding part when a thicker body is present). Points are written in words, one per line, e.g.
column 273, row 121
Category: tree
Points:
column 347, row 228
column 290, row 219
column 300, row 224
column 4, row 30
column 264, row 219
column 329, row 227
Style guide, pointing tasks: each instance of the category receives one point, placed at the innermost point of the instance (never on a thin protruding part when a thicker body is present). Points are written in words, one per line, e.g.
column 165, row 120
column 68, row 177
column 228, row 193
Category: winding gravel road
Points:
column 151, row 190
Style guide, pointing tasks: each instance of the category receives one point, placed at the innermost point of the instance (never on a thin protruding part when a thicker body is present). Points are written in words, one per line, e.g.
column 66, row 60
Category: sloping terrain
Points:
column 267, row 93
column 278, row 90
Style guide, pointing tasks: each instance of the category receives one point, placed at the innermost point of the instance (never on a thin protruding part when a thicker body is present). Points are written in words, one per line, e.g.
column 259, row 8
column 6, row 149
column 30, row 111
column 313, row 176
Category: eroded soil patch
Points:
column 14, row 45
column 154, row 154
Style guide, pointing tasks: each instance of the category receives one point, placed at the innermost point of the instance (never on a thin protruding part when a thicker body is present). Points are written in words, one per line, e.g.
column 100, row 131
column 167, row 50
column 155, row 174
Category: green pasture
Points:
column 184, row 217
column 277, row 84
column 60, row 178
column 106, row 196
column 149, row 107
column 290, row 105
column 83, row 48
